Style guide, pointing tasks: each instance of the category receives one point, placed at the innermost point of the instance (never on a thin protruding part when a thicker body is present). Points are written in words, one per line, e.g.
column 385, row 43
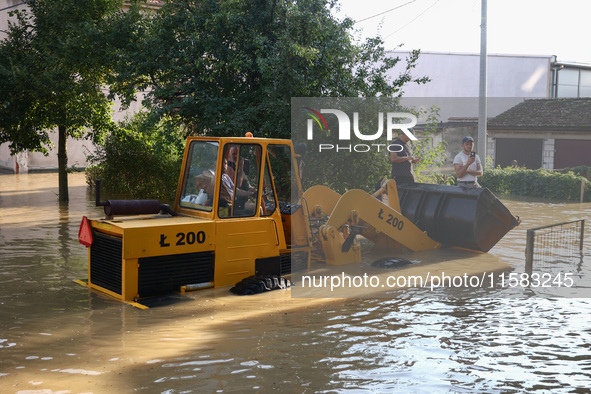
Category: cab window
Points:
column 269, row 203
column 239, row 182
column 284, row 175
column 199, row 178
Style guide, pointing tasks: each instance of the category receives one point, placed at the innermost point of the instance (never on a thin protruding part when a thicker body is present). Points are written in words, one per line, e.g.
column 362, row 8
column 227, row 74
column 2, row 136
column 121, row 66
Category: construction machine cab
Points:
column 229, row 178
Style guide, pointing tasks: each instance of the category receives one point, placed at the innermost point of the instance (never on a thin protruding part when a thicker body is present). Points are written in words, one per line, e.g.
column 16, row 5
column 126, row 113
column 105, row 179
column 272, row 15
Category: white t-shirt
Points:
column 462, row 158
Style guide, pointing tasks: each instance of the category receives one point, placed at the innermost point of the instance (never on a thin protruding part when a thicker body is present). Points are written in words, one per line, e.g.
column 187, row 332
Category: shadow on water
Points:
column 56, row 335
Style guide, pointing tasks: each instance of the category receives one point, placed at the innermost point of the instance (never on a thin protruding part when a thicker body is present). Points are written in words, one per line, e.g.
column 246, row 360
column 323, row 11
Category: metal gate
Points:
column 572, row 153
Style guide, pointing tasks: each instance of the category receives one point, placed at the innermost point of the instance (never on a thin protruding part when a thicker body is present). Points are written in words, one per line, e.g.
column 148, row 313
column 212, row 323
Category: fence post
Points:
column 529, row 251
column 583, row 182
column 582, row 237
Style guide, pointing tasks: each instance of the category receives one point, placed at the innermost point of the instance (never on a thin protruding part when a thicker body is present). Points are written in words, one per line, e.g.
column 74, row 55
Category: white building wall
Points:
column 455, row 81
column 4, row 17
column 6, row 161
column 491, row 147
column 458, row 75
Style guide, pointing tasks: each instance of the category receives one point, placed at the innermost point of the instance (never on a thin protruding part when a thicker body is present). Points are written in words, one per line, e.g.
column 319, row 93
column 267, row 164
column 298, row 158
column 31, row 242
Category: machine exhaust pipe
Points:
column 130, row 207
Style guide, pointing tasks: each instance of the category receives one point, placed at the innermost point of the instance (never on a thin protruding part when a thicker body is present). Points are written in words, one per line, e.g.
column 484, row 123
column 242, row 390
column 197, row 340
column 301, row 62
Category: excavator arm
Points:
column 416, row 216
column 357, row 206
column 357, row 212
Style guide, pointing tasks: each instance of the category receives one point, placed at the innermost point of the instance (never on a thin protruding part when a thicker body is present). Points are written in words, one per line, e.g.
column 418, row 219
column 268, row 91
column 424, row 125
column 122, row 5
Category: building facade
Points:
column 543, row 133
column 526, row 83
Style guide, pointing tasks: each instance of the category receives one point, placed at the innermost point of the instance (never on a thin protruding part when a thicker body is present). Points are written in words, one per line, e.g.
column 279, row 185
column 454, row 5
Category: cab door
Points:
column 248, row 229
column 294, row 219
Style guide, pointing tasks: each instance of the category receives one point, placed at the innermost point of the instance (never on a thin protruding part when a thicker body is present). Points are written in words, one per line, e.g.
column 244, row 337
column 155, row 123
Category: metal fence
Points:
column 555, row 243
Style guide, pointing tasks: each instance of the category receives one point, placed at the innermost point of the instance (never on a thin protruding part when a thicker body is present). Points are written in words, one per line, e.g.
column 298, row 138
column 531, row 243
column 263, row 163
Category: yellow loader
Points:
column 240, row 211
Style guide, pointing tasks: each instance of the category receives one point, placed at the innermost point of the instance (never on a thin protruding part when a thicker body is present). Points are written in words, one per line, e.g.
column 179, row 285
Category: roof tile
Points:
column 546, row 114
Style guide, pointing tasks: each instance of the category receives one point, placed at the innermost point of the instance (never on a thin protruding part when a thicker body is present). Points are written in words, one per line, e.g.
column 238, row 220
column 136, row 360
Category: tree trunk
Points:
column 62, row 163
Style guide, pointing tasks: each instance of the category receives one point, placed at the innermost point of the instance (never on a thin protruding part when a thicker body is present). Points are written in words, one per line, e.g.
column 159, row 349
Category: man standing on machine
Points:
column 403, row 161
column 467, row 164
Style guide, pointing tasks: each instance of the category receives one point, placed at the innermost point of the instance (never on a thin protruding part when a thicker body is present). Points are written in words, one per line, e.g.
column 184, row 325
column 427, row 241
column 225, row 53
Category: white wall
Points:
column 4, row 17
column 454, row 85
column 457, row 75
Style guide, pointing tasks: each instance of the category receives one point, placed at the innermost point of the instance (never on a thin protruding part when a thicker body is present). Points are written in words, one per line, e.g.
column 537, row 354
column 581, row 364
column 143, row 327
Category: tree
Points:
column 52, row 72
column 226, row 67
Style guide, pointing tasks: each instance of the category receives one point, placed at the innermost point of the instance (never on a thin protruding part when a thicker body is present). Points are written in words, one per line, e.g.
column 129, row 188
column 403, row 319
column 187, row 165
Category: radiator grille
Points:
column 105, row 261
column 165, row 274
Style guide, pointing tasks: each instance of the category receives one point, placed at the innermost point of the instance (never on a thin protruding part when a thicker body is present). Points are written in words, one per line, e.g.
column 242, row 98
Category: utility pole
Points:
column 481, row 148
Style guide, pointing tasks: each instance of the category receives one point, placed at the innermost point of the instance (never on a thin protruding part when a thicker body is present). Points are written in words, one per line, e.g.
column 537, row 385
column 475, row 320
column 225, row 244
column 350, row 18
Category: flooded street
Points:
column 57, row 336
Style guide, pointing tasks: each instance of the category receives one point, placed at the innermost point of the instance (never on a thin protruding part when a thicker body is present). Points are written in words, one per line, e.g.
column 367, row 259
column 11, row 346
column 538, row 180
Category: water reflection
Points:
column 58, row 336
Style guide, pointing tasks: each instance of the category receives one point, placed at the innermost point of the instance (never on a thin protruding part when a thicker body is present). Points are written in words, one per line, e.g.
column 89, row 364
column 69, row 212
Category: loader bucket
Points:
column 471, row 218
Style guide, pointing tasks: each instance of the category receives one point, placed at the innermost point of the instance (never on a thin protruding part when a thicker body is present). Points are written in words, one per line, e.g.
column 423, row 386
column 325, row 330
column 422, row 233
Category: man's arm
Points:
column 462, row 170
column 478, row 171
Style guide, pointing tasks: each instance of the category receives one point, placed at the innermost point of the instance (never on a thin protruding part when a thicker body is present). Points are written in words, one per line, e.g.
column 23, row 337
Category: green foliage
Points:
column 343, row 168
column 432, row 154
column 440, row 179
column 125, row 34
column 342, row 171
column 140, row 159
column 228, row 67
column 584, row 171
column 535, row 183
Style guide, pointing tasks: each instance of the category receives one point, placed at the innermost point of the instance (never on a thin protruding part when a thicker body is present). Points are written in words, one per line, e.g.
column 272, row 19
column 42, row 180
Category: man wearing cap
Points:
column 403, row 161
column 467, row 164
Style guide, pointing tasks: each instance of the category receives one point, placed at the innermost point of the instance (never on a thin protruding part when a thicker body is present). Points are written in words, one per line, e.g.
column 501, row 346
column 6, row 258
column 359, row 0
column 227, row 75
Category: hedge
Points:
column 535, row 183
column 578, row 170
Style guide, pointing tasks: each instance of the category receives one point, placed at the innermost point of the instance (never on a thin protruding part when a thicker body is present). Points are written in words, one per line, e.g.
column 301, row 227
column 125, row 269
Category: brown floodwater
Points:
column 57, row 336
